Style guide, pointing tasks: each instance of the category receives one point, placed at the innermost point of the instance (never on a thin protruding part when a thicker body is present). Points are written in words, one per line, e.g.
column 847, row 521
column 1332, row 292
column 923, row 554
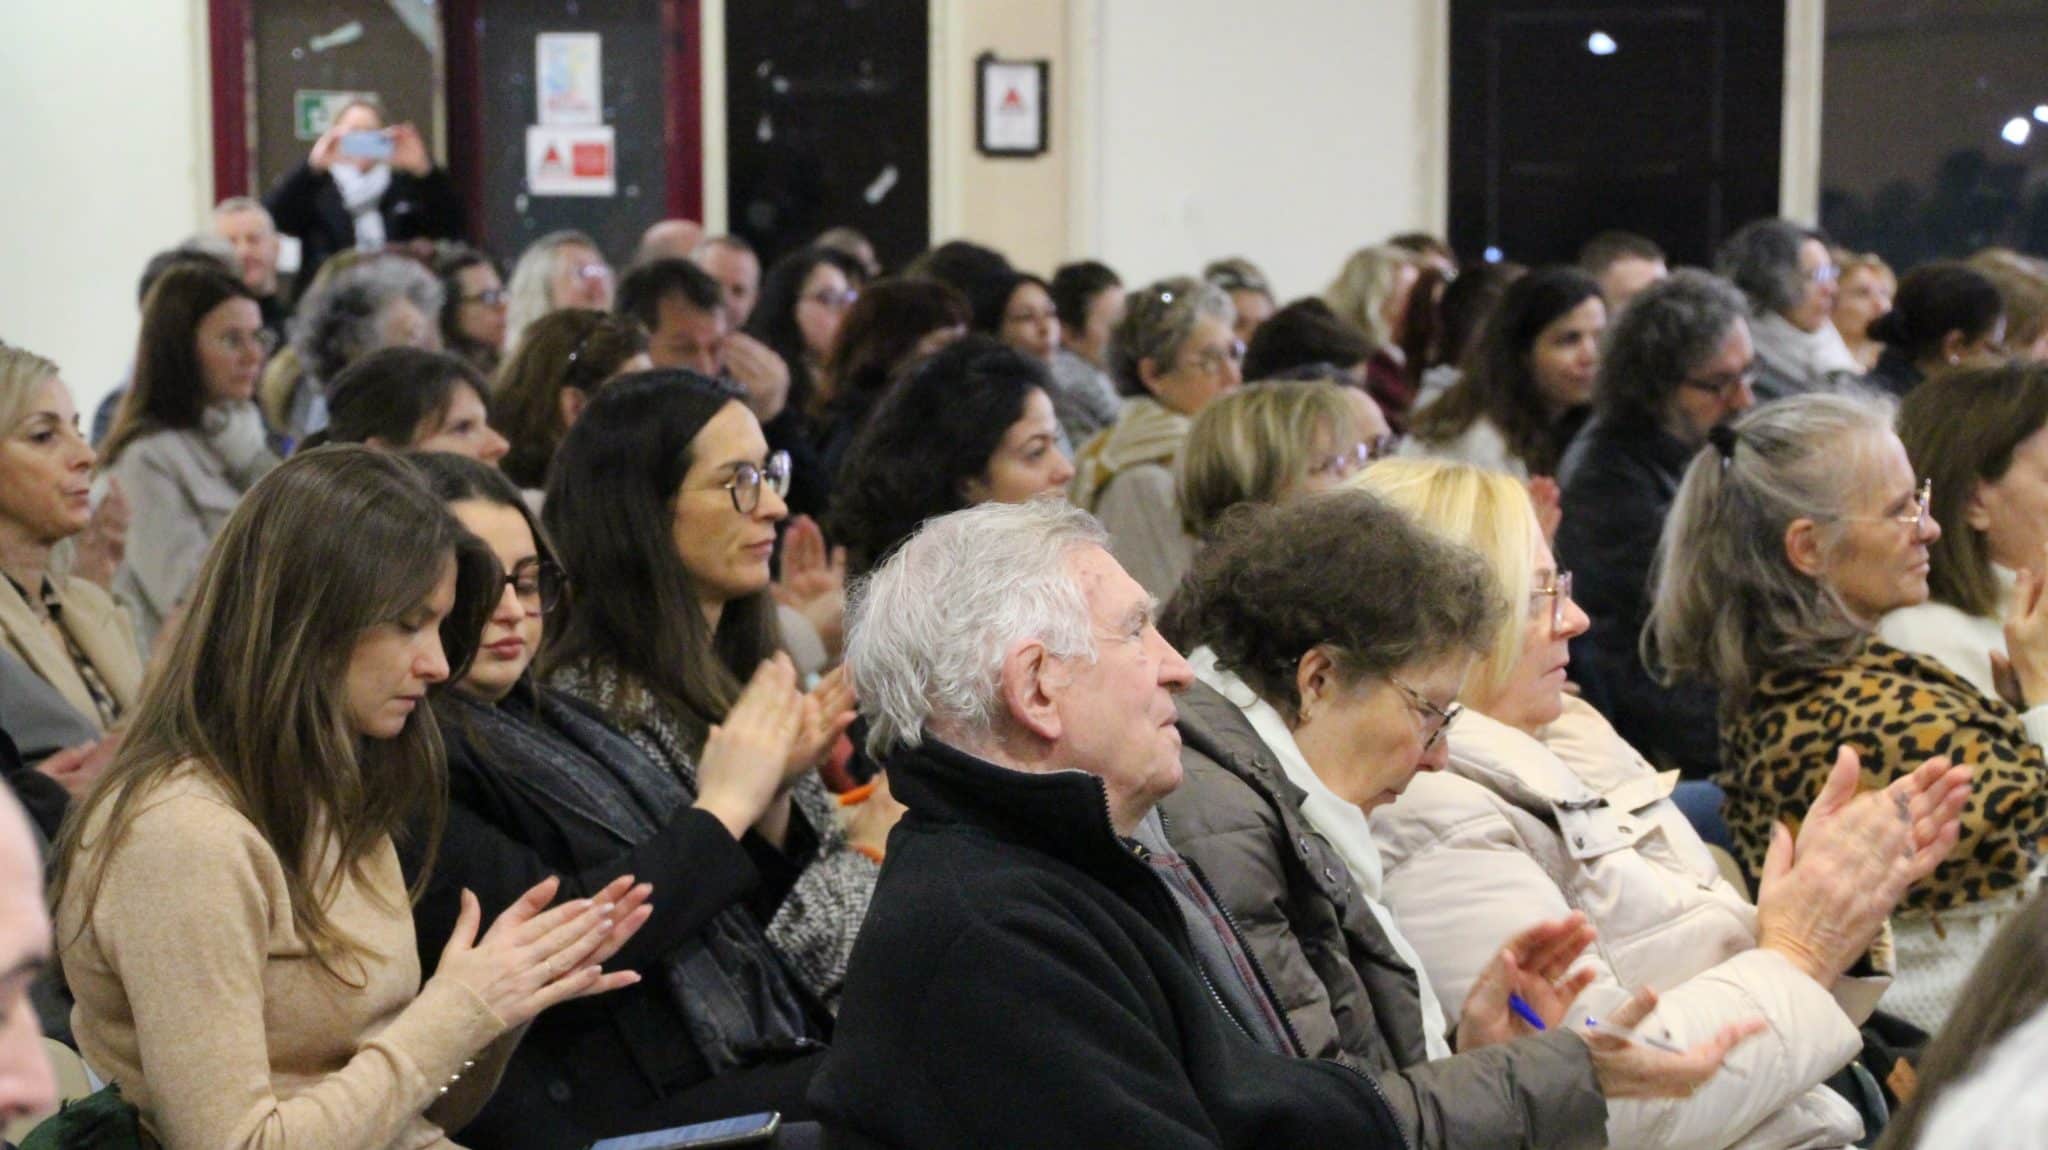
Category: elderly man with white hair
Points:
column 1038, row 968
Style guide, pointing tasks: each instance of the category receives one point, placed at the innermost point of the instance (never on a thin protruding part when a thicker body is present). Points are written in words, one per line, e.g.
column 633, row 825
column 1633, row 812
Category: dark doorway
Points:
column 1568, row 119
column 828, row 123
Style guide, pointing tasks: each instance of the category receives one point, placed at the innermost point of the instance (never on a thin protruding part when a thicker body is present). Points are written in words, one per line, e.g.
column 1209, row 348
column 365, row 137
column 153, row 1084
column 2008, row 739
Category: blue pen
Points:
column 1525, row 1012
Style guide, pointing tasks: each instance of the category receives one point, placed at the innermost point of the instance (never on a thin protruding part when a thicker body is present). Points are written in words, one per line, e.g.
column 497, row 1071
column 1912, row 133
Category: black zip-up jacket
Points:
column 1025, row 980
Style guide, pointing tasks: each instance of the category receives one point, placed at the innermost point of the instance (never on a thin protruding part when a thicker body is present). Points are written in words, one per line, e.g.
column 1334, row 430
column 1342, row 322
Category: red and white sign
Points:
column 579, row 161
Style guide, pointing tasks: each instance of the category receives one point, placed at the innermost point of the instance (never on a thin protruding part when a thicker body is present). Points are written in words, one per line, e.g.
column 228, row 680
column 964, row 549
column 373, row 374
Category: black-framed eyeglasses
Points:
column 1433, row 719
column 538, row 583
column 1725, row 384
column 747, row 481
column 1560, row 593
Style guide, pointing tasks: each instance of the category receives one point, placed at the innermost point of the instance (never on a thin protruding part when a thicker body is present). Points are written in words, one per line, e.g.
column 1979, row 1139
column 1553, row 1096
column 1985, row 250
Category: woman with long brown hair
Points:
column 557, row 367
column 230, row 909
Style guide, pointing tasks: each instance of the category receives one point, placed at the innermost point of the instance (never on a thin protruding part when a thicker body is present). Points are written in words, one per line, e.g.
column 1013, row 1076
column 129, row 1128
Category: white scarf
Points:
column 1339, row 821
column 361, row 193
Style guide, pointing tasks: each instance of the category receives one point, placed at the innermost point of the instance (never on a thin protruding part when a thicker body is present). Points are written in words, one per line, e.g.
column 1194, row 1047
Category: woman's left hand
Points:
column 828, row 711
column 813, row 581
column 1534, row 966
column 409, row 151
column 104, row 543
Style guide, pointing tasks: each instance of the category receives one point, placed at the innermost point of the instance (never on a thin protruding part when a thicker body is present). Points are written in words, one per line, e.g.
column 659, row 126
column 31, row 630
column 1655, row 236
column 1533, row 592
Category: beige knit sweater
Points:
column 197, row 993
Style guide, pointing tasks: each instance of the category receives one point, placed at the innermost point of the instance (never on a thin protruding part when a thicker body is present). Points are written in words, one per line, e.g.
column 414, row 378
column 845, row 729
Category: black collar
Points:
column 1065, row 814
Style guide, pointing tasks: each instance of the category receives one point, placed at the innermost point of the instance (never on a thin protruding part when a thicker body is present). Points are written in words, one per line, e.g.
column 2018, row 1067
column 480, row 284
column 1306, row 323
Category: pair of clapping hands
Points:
column 1824, row 895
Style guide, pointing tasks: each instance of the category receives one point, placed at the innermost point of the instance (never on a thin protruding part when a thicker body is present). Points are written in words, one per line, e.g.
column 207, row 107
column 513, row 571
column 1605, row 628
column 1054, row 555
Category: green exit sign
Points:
column 313, row 109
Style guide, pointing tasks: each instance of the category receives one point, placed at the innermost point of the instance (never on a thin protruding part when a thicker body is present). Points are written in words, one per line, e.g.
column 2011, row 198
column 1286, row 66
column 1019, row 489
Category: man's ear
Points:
column 1032, row 681
column 1803, row 547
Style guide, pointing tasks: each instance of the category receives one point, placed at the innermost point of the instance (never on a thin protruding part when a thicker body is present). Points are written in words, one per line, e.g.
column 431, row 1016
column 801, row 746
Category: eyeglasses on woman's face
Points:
column 832, row 299
column 1432, row 719
column 1559, row 592
column 262, row 340
column 1343, row 464
column 747, row 481
column 538, row 584
column 1212, row 360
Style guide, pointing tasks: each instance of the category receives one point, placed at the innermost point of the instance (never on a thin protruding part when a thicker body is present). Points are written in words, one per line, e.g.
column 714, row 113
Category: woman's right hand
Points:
column 1822, row 897
column 741, row 771
column 325, row 149
column 1626, row 1069
column 534, row 957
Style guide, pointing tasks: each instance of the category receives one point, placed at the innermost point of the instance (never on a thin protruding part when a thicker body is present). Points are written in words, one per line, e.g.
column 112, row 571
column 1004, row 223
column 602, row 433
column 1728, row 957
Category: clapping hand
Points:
column 1535, row 966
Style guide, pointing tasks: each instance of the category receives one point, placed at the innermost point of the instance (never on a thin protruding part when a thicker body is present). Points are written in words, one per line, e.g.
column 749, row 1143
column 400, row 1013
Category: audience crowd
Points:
column 1475, row 705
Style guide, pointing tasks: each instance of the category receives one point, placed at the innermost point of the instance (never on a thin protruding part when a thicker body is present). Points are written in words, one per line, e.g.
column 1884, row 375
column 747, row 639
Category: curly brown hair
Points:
column 1345, row 571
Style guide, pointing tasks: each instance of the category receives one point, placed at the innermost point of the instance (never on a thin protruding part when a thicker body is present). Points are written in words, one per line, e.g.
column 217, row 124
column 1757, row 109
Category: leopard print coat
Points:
column 1896, row 710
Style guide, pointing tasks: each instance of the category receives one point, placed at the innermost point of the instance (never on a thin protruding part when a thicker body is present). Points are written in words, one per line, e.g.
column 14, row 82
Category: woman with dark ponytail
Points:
column 1945, row 315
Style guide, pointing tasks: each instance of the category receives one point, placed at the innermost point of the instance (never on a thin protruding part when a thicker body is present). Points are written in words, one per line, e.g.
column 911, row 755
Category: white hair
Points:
column 928, row 630
column 530, row 293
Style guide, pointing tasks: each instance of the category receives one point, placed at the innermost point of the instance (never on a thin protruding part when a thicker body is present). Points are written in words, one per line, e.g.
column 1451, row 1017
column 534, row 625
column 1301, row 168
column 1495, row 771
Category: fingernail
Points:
column 605, row 910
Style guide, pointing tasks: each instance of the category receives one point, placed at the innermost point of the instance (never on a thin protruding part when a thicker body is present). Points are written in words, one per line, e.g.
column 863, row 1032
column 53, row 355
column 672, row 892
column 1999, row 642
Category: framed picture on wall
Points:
column 1010, row 106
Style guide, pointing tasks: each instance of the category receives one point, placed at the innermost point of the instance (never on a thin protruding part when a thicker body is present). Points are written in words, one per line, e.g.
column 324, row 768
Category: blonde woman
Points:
column 230, row 910
column 1543, row 810
column 1863, row 293
column 1174, row 354
column 2022, row 283
column 559, row 270
column 1272, row 441
column 74, row 672
column 1372, row 293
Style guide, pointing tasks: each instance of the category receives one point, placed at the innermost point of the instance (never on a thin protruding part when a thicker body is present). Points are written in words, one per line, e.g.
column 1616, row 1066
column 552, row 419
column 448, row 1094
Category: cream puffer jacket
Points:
column 1518, row 831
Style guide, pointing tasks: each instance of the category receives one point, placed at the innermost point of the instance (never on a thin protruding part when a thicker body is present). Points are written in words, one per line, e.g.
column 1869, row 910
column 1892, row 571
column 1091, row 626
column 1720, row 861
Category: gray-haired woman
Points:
column 1789, row 277
column 1174, row 352
column 1792, row 535
column 384, row 301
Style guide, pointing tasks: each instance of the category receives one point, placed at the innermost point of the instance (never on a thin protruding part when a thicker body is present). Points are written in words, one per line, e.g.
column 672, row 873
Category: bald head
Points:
column 669, row 240
column 27, row 1085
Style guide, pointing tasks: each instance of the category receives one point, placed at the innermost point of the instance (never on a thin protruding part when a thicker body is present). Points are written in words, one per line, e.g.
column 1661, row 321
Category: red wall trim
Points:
column 228, row 30
column 682, row 34
column 462, row 39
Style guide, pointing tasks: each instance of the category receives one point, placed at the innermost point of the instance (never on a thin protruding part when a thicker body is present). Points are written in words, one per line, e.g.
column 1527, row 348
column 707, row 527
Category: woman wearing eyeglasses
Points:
column 1174, row 354
column 541, row 785
column 1542, row 810
column 1789, row 276
column 188, row 441
column 474, row 306
column 663, row 503
column 805, row 298
column 1793, row 534
column 1271, row 442
column 559, row 270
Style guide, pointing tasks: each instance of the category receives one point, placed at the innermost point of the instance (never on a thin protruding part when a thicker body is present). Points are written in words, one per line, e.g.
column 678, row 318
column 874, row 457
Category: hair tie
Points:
column 1724, row 440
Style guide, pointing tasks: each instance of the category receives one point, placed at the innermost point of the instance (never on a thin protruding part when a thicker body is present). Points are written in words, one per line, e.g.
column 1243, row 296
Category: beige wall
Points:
column 1016, row 205
column 105, row 125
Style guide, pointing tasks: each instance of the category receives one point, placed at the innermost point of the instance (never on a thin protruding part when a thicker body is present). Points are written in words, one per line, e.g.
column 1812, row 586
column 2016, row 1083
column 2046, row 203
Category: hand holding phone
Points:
column 366, row 145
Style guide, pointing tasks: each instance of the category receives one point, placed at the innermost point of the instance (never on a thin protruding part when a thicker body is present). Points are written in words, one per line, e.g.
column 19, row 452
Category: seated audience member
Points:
column 539, row 787
column 663, row 506
column 563, row 363
column 383, row 301
column 1372, row 293
column 1430, row 251
column 1250, row 293
column 208, row 252
column 402, row 398
column 1790, row 538
column 1979, row 1081
column 1981, row 439
column 732, row 262
column 972, row 424
column 746, row 360
column 230, row 908
column 27, row 1085
column 1306, row 333
column 963, row 265
column 189, row 439
column 1863, row 292
column 1174, row 354
column 2022, row 283
column 668, row 240
column 1090, row 300
column 74, row 673
column 560, row 270
column 1019, row 311
column 1461, row 315
column 472, row 306
column 894, row 324
column 1789, row 277
column 1678, row 364
column 1525, row 387
column 1623, row 264
column 334, row 201
column 804, row 300
column 1267, row 443
column 683, row 310
column 1945, row 315
column 851, row 242
column 1023, row 703
column 247, row 227
column 1497, row 842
